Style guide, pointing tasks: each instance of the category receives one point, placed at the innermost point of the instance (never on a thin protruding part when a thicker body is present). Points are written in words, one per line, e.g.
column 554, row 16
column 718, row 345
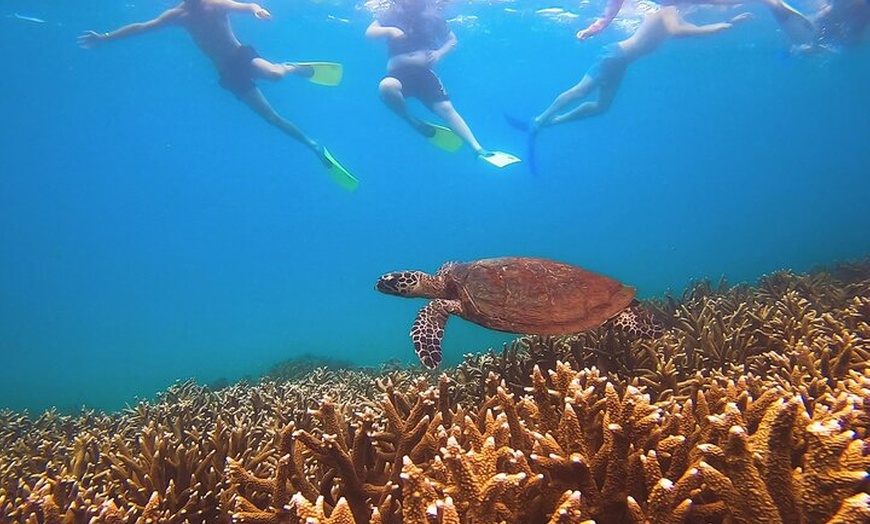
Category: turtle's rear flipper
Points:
column 428, row 331
column 637, row 322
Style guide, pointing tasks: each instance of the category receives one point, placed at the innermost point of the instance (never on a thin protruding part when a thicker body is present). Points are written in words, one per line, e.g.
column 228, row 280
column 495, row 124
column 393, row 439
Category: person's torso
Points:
column 210, row 30
column 844, row 23
column 423, row 31
column 649, row 35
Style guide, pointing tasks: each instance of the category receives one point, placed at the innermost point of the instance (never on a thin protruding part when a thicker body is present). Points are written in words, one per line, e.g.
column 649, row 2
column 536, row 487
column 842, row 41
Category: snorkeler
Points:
column 841, row 23
column 607, row 72
column 239, row 66
column 837, row 24
column 417, row 39
column 797, row 26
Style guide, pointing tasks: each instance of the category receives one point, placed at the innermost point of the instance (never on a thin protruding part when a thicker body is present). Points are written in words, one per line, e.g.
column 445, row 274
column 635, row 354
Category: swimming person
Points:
column 607, row 72
column 238, row 65
column 418, row 38
column 841, row 23
column 798, row 27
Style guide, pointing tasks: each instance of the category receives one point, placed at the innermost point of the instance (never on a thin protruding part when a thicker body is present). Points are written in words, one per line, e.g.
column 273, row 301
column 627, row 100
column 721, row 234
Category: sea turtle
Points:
column 533, row 296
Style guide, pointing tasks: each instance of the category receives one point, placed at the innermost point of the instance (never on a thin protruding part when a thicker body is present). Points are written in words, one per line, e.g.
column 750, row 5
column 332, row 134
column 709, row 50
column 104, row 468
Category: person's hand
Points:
column 742, row 17
column 90, row 39
column 433, row 57
column 261, row 13
column 583, row 34
column 395, row 32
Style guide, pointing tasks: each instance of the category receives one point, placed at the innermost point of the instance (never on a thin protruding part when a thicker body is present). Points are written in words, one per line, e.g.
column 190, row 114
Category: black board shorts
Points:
column 421, row 83
column 237, row 74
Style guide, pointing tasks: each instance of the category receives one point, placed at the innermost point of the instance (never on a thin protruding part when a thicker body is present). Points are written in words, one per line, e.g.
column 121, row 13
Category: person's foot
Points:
column 530, row 126
column 427, row 130
column 320, row 151
column 483, row 153
column 520, row 124
column 298, row 70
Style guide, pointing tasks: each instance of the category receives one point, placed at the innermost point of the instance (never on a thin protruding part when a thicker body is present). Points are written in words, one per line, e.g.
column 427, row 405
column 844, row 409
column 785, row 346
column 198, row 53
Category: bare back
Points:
column 209, row 27
column 653, row 30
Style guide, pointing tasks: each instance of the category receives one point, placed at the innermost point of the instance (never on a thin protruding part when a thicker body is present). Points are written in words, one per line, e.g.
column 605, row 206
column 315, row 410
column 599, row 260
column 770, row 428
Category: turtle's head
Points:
column 405, row 284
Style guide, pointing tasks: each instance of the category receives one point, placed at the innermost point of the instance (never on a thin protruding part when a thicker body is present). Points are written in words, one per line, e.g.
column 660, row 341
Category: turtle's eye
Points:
column 392, row 283
column 396, row 283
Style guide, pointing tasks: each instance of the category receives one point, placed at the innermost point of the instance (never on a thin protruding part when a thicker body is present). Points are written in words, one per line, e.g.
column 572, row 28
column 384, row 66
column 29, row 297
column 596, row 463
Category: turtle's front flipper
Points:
column 638, row 322
column 428, row 330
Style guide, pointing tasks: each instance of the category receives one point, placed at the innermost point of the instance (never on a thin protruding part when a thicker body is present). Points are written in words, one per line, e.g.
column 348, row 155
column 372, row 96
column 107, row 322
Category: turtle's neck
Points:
column 434, row 285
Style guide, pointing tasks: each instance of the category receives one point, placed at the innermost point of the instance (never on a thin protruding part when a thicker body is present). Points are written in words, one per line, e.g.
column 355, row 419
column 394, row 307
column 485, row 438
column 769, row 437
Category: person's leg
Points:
column 390, row 90
column 270, row 71
column 257, row 102
column 454, row 120
column 607, row 89
column 578, row 92
column 799, row 29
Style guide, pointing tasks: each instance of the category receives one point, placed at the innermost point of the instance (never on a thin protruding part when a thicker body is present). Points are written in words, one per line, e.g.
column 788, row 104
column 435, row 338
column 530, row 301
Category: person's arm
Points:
column 601, row 23
column 449, row 45
column 376, row 30
column 683, row 28
column 243, row 7
column 90, row 39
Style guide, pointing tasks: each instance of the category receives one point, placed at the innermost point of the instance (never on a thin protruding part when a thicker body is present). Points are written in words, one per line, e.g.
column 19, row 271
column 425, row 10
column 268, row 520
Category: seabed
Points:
column 754, row 407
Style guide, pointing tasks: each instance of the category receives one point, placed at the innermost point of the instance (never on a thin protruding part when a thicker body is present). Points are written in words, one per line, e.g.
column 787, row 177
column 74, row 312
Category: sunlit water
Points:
column 153, row 228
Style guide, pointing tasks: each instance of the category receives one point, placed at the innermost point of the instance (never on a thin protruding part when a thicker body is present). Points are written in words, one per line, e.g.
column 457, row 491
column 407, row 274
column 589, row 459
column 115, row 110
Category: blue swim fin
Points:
column 531, row 160
column 525, row 126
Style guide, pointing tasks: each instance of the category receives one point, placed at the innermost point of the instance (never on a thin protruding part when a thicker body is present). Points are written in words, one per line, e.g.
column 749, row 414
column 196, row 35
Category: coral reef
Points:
column 166, row 456
column 753, row 407
column 578, row 449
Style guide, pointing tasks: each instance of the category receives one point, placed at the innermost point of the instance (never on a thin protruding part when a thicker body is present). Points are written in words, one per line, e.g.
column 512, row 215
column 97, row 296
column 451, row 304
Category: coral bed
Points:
column 754, row 407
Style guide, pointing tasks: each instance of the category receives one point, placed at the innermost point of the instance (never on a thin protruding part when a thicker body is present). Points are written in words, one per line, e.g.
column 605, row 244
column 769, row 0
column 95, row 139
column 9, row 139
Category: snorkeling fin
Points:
column 525, row 126
column 519, row 124
column 530, row 153
column 339, row 173
column 444, row 138
column 498, row 158
column 325, row 73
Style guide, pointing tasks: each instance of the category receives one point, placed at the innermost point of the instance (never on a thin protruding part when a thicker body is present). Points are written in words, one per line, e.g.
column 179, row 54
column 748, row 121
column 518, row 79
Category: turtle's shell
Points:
column 535, row 296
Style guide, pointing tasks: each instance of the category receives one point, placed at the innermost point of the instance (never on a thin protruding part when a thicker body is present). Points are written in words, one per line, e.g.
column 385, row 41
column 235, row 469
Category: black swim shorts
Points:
column 237, row 74
column 610, row 65
column 421, row 83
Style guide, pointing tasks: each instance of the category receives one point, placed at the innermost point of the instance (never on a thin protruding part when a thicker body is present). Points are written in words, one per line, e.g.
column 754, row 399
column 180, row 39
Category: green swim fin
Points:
column 498, row 158
column 325, row 73
column 339, row 173
column 444, row 138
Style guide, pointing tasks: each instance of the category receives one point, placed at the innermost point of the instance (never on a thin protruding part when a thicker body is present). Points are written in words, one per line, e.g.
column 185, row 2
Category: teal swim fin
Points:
column 325, row 73
column 444, row 138
column 498, row 158
column 338, row 172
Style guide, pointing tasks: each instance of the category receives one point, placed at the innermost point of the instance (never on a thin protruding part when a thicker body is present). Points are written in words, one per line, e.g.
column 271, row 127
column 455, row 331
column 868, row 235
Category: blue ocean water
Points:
column 153, row 229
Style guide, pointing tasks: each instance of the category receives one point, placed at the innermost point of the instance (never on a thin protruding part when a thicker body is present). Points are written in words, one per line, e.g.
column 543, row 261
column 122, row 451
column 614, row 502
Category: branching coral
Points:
column 754, row 407
column 589, row 451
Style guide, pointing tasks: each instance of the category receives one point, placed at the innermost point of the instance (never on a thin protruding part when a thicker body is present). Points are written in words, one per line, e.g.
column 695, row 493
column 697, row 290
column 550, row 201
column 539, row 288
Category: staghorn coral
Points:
column 161, row 460
column 592, row 452
column 754, row 406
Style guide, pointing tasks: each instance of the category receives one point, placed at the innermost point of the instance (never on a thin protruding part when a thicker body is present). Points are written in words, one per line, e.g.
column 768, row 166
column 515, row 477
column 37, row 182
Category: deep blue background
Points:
column 152, row 228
